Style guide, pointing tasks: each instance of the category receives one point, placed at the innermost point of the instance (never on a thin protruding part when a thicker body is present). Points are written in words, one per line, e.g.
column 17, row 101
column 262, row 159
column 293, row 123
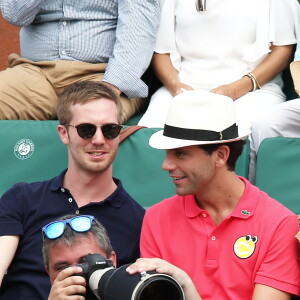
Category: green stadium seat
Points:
column 30, row 151
column 242, row 164
column 139, row 167
column 278, row 170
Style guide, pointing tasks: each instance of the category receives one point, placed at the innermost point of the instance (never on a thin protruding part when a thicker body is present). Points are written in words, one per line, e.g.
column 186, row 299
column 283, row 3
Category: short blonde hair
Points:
column 83, row 92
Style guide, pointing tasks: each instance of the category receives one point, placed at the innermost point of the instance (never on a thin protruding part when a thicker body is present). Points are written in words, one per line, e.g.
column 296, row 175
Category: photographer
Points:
column 66, row 241
column 79, row 245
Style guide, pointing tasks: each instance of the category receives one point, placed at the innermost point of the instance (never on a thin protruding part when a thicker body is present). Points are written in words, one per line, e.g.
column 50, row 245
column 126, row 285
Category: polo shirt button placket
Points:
column 212, row 253
column 212, row 242
column 70, row 200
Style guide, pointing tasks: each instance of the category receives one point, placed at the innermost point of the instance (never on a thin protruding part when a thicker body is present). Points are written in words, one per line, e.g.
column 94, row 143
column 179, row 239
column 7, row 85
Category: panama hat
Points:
column 198, row 117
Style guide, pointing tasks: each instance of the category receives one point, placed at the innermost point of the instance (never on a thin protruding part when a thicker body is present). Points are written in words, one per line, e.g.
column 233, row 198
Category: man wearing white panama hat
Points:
column 230, row 238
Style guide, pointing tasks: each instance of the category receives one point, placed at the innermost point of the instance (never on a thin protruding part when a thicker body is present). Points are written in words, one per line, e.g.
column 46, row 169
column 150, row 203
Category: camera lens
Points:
column 117, row 284
column 159, row 287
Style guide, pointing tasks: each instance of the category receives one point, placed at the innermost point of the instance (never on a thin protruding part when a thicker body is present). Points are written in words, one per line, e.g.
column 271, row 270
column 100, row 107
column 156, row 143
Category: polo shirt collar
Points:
column 119, row 196
column 116, row 199
column 57, row 182
column 245, row 208
column 191, row 207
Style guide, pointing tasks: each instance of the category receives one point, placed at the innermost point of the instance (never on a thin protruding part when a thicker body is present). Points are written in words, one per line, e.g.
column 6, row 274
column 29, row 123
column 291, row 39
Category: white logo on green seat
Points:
column 24, row 148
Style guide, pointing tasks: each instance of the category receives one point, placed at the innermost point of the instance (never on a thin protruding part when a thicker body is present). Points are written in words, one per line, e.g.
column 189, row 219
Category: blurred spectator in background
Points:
column 233, row 48
column 65, row 42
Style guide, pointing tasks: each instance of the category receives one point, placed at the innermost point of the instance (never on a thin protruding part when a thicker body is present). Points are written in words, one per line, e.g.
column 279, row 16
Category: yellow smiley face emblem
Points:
column 244, row 246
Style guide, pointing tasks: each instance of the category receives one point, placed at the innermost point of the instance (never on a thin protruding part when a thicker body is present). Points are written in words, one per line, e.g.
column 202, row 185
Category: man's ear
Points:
column 222, row 154
column 113, row 258
column 47, row 270
column 63, row 134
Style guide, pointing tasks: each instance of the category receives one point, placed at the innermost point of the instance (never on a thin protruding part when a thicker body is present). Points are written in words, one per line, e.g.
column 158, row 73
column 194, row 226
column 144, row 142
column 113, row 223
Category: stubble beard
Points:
column 89, row 166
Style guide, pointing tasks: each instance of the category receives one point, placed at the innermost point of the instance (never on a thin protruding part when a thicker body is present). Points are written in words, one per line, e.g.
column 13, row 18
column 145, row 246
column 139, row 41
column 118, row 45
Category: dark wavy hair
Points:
column 236, row 149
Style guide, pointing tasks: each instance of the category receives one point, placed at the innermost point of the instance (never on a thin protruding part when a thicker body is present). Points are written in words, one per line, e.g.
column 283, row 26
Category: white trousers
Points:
column 281, row 120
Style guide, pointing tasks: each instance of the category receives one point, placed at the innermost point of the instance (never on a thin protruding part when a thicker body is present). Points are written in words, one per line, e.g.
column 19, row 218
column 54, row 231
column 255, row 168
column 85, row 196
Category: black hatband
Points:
column 199, row 134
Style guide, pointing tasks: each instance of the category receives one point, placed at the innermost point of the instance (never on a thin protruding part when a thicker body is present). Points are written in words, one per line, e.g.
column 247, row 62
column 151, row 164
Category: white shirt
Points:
column 220, row 45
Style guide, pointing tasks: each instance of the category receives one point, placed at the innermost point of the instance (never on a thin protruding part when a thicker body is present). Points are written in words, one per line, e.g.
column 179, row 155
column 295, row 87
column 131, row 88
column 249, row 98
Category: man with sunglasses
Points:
column 89, row 115
column 66, row 241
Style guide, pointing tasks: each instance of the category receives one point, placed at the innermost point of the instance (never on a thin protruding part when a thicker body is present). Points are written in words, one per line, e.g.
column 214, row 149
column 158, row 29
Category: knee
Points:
column 263, row 126
column 267, row 124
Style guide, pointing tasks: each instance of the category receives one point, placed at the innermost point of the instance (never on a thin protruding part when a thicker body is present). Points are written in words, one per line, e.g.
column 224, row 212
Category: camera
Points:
column 106, row 282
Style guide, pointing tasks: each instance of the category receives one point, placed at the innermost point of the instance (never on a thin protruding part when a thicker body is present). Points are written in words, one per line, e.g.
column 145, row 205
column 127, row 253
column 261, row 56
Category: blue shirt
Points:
column 120, row 32
column 27, row 207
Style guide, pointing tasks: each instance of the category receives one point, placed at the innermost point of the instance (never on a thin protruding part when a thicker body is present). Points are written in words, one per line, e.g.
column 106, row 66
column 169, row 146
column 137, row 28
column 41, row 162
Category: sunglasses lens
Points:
column 86, row 131
column 54, row 230
column 81, row 224
column 111, row 131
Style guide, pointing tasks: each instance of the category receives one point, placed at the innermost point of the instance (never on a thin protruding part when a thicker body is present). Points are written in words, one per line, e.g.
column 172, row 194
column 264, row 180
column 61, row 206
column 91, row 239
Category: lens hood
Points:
column 118, row 284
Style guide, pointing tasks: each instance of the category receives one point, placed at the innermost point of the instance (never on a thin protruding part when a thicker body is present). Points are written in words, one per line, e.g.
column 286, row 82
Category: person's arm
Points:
column 298, row 234
column 167, row 74
column 279, row 271
column 135, row 40
column 65, row 286
column 162, row 266
column 268, row 293
column 8, row 247
column 113, row 87
column 277, row 60
column 294, row 67
column 20, row 13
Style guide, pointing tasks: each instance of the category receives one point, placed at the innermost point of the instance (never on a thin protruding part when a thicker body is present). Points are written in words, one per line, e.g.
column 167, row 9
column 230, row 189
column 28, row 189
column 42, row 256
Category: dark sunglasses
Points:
column 56, row 229
column 86, row 130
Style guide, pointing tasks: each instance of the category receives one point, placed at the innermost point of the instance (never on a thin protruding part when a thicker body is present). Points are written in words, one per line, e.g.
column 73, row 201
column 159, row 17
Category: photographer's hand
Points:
column 162, row 266
column 66, row 286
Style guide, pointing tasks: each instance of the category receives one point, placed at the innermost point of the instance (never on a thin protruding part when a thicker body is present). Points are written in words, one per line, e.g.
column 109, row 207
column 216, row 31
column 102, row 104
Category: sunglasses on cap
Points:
column 56, row 229
column 86, row 130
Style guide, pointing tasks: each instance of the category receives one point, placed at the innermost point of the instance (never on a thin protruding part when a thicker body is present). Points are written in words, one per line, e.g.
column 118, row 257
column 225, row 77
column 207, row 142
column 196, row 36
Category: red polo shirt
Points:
column 255, row 244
